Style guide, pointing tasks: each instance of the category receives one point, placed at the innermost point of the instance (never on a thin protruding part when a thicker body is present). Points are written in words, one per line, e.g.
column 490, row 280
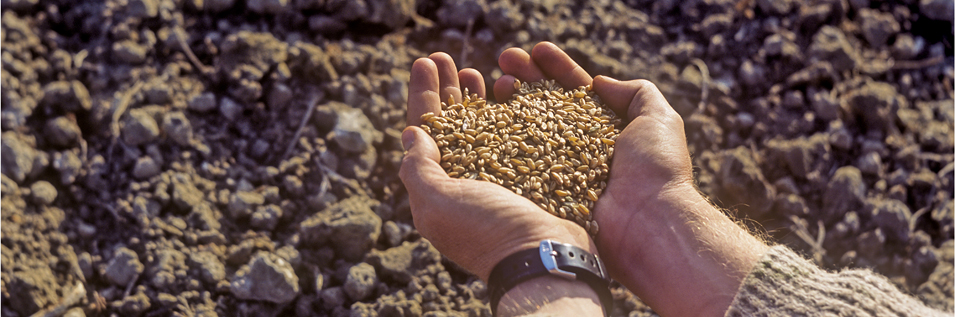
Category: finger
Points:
column 423, row 94
column 558, row 65
column 504, row 88
column 632, row 98
column 472, row 80
column 516, row 62
column 448, row 76
column 420, row 170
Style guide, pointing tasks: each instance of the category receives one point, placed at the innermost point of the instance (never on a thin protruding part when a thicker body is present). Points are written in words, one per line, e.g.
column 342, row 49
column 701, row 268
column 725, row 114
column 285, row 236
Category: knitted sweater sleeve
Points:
column 783, row 283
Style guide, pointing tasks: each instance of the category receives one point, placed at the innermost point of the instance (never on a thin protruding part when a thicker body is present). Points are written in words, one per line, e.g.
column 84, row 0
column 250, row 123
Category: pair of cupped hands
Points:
column 476, row 223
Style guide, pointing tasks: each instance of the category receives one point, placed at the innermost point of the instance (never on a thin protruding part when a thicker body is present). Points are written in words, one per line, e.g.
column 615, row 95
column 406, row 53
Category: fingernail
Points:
column 407, row 138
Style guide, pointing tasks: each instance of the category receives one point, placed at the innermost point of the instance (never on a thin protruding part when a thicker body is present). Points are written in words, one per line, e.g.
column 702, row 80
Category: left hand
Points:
column 474, row 223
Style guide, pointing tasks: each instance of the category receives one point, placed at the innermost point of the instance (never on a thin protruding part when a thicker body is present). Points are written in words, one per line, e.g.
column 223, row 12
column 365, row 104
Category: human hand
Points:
column 474, row 223
column 658, row 235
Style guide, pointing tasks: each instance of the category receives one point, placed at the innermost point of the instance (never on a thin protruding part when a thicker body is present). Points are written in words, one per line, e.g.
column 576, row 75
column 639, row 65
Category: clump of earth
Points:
column 221, row 157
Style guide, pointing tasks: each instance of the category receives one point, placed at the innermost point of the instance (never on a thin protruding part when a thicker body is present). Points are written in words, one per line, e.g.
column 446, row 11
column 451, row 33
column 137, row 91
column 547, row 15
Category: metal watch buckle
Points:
column 549, row 258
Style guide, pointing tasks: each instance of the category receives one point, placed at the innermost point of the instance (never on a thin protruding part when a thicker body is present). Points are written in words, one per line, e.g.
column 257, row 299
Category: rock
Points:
column 350, row 226
column 139, row 127
column 400, row 264
column 19, row 5
column 143, row 8
column 892, row 216
column 504, row 17
column 824, row 104
column 210, row 268
column 830, row 44
column 129, row 52
column 242, row 203
column 870, row 163
column 123, row 268
column 18, row 156
column 203, row 102
column 361, row 281
column 184, row 193
column 391, row 13
column 31, row 289
column 776, row 7
column 43, row 193
column 268, row 6
column 267, row 278
column 937, row 9
column 279, row 96
column 457, row 13
column 259, row 51
column 333, row 297
column 877, row 27
column 907, row 46
column 218, row 5
column 230, row 109
column 135, row 305
column 62, row 132
column 845, row 192
column 752, row 74
column 874, row 102
column 353, row 132
column 743, row 181
column 69, row 96
column 145, row 167
column 177, row 127
column 323, row 24
column 266, row 217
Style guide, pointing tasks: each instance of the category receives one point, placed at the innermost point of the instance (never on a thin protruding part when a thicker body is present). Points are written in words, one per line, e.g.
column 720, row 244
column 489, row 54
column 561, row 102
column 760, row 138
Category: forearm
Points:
column 550, row 296
column 683, row 257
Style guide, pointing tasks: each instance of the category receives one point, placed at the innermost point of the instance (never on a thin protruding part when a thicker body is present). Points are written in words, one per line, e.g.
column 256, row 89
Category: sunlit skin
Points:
column 659, row 236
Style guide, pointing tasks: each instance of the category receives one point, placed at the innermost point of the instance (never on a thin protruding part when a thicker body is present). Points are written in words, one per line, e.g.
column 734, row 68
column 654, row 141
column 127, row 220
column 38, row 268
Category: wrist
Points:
column 678, row 245
column 550, row 295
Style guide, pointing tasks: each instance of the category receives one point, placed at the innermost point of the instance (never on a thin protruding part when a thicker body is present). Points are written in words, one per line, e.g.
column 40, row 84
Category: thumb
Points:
column 420, row 169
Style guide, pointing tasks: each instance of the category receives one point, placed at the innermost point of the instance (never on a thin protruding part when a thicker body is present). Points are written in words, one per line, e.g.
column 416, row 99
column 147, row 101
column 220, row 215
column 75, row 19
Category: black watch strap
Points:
column 555, row 258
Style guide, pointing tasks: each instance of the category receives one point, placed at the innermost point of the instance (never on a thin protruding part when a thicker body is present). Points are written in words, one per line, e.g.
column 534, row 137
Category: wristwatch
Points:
column 551, row 257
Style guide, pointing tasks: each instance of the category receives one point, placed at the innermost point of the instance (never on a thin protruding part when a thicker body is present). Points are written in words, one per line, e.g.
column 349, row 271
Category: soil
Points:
column 239, row 158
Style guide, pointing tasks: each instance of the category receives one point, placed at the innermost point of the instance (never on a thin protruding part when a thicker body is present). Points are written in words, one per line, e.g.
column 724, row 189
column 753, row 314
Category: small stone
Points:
column 143, row 8
column 361, row 281
column 62, row 132
column 892, row 216
column 845, row 192
column 400, row 264
column 878, row 27
column 124, row 267
column 268, row 6
column 135, row 305
column 870, row 163
column 752, row 74
column 907, row 46
column 350, row 226
column 777, row 7
column 937, row 9
column 139, row 127
column 218, row 5
column 18, row 156
column 267, row 278
column 744, row 181
column 145, row 168
column 333, row 297
column 824, row 103
column 75, row 312
column 129, row 52
column 242, row 203
column 874, row 102
column 210, row 268
column 326, row 25
column 230, row 109
column 353, row 131
column 266, row 217
column 457, row 13
column 177, row 127
column 279, row 96
column 43, row 193
column 184, row 193
column 203, row 102
column 830, row 44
